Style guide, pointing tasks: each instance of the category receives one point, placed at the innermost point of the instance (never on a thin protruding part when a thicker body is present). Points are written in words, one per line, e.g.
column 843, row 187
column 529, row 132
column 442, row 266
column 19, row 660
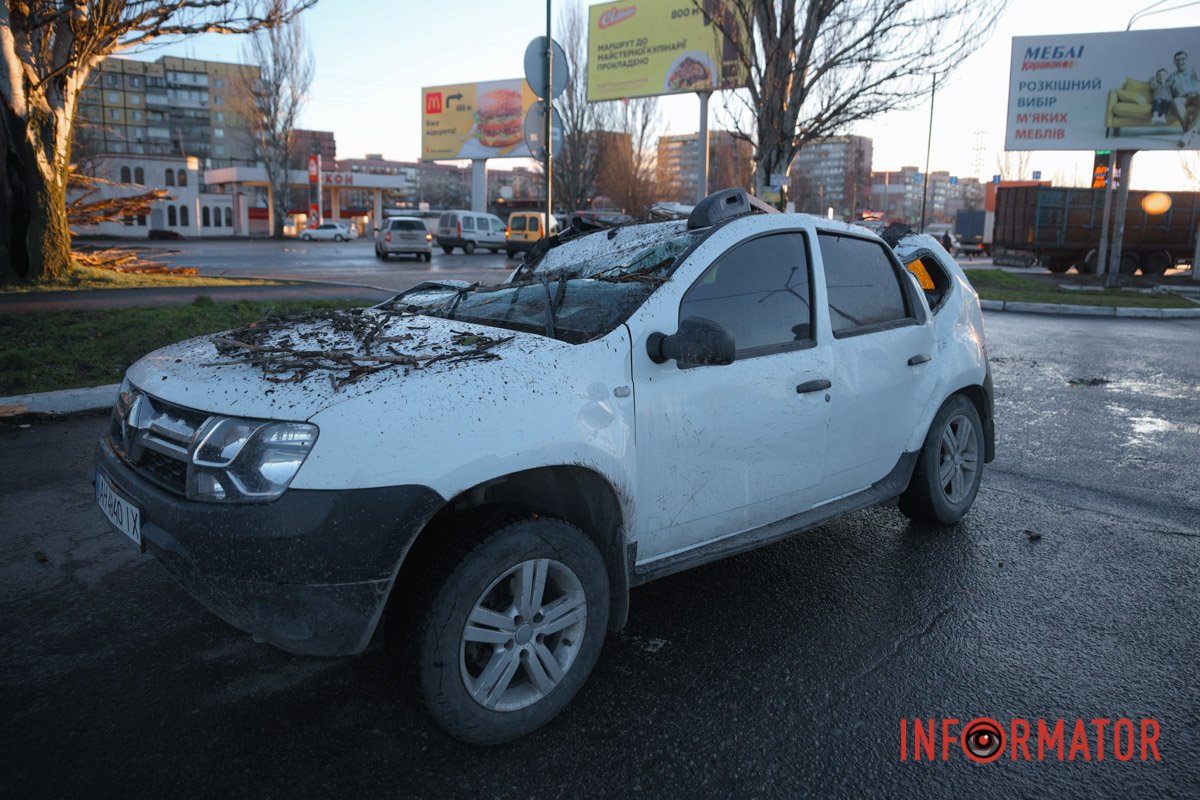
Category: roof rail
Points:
column 725, row 204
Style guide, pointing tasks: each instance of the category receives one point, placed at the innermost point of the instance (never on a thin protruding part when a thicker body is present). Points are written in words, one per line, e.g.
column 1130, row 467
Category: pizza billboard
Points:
column 639, row 48
column 1104, row 91
column 475, row 120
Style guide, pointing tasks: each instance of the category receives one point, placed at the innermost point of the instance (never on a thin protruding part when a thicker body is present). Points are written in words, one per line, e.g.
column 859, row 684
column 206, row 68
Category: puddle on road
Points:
column 1161, row 386
column 1147, row 429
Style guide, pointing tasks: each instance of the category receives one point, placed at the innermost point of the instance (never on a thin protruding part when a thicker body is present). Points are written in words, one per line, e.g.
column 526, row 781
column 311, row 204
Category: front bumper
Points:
column 309, row 573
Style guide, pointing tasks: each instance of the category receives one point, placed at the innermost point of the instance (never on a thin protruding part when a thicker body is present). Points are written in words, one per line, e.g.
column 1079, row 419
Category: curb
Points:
column 64, row 401
column 1061, row 309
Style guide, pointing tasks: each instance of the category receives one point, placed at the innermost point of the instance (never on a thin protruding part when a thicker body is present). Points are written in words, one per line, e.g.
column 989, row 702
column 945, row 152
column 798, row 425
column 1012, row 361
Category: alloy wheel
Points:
column 958, row 459
column 523, row 635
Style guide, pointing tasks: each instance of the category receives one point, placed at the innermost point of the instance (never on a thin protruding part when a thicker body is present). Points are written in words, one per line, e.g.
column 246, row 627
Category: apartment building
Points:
column 678, row 163
column 172, row 106
column 832, row 173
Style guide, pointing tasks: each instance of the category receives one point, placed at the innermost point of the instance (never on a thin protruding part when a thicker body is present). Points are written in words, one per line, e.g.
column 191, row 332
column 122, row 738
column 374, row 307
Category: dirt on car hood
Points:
column 294, row 367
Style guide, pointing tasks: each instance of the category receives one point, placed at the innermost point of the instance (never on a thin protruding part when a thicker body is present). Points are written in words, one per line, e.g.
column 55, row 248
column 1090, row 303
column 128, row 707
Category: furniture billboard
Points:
column 1128, row 90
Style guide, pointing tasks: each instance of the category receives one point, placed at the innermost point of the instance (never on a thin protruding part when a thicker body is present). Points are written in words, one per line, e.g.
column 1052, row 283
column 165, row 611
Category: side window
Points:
column 517, row 224
column 534, row 224
column 863, row 286
column 468, row 223
column 498, row 226
column 760, row 292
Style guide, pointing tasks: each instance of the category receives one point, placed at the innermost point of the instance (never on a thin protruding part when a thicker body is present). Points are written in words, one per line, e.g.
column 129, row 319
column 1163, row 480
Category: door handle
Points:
column 921, row 359
column 813, row 386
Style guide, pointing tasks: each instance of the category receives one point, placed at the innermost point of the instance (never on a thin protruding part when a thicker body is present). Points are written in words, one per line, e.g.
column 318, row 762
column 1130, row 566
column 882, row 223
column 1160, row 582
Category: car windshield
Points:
column 576, row 292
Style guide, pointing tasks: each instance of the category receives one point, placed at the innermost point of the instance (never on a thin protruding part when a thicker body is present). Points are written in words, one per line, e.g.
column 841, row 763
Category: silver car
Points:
column 403, row 235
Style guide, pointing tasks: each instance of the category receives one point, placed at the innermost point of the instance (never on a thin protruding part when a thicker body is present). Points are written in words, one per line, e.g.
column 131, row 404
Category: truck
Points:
column 1060, row 228
column 974, row 230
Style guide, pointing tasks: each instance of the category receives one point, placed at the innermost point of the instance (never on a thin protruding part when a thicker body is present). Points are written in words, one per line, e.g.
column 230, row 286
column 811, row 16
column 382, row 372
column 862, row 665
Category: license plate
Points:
column 124, row 515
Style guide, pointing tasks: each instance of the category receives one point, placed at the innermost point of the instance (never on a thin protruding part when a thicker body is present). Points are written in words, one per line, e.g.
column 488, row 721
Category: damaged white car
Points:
column 489, row 470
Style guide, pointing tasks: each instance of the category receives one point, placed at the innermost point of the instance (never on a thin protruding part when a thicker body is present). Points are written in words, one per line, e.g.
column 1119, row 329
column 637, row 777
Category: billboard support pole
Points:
column 547, row 96
column 479, row 185
column 702, row 144
column 1124, row 159
column 1102, row 254
column 1196, row 252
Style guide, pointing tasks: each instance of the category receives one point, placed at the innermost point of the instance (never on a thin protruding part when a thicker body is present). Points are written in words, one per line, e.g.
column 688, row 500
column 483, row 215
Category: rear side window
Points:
column 863, row 286
column 468, row 223
column 444, row 221
column 517, row 224
column 760, row 292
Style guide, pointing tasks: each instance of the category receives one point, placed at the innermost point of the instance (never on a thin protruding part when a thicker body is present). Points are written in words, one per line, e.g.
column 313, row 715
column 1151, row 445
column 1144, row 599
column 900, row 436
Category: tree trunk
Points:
column 35, row 239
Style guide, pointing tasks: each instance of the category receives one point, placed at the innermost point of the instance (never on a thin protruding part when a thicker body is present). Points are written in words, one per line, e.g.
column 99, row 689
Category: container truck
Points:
column 1060, row 228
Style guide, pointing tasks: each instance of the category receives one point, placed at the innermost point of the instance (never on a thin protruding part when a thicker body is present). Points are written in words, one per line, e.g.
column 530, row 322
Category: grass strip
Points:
column 997, row 284
column 44, row 351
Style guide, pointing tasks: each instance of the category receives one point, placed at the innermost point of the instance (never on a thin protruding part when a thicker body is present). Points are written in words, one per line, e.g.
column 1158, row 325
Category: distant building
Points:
column 898, row 195
column 169, row 107
column 678, row 163
column 322, row 143
column 832, row 173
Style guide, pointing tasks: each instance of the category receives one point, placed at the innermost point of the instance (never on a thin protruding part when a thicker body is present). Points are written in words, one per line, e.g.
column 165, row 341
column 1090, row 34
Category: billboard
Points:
column 475, row 120
column 1105, row 91
column 638, row 48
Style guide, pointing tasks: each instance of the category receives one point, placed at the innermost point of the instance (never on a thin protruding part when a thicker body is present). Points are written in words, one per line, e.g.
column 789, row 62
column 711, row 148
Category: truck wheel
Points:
column 949, row 467
column 1129, row 263
column 1157, row 263
column 508, row 628
column 1058, row 264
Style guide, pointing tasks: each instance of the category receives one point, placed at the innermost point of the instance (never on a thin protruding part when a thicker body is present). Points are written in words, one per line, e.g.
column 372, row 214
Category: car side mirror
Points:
column 699, row 342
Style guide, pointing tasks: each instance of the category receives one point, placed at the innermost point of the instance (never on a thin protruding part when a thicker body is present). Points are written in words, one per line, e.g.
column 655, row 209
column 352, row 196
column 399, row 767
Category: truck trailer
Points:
column 1060, row 228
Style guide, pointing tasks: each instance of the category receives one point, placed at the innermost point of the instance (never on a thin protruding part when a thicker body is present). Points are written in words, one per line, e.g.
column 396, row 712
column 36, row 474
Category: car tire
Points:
column 337, row 237
column 381, row 255
column 510, row 253
column 447, row 250
column 428, row 257
column 493, row 250
column 477, row 580
column 306, row 238
column 469, row 247
column 949, row 467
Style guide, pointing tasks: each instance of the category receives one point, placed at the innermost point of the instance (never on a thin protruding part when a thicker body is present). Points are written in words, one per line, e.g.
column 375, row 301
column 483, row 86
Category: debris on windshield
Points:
column 345, row 344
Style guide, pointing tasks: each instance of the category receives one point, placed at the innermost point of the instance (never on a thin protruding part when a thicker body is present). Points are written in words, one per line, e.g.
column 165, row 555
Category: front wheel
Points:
column 509, row 628
column 306, row 238
column 949, row 466
column 428, row 257
column 447, row 250
column 337, row 237
column 469, row 248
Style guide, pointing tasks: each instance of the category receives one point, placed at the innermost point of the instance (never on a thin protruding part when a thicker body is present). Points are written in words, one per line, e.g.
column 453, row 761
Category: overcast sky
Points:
column 373, row 57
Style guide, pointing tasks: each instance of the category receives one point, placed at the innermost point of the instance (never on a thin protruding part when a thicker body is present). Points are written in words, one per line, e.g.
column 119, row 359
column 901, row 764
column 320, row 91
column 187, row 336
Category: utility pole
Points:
column 549, row 118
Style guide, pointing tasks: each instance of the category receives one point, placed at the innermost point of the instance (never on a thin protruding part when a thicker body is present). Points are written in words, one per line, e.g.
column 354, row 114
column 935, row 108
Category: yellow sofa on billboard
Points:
column 1130, row 107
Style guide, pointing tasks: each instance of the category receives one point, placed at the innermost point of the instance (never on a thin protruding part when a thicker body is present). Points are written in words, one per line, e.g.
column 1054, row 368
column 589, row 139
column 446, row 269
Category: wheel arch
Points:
column 574, row 493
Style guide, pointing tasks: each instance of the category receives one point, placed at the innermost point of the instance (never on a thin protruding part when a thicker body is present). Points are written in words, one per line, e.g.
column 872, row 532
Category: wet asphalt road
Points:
column 779, row 673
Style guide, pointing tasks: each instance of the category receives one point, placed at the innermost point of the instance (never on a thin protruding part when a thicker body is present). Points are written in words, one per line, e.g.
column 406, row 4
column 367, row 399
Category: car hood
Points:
column 293, row 368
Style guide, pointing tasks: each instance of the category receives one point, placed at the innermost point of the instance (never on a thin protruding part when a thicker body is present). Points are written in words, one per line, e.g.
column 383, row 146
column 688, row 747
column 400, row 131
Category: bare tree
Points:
column 269, row 103
column 627, row 156
column 577, row 165
column 1013, row 165
column 815, row 67
column 48, row 51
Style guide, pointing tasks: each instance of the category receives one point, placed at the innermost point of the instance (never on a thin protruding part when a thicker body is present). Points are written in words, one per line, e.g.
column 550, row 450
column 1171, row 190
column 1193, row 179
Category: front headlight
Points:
column 241, row 460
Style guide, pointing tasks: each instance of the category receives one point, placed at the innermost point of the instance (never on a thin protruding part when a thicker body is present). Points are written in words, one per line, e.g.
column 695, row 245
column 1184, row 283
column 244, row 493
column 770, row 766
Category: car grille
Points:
column 155, row 438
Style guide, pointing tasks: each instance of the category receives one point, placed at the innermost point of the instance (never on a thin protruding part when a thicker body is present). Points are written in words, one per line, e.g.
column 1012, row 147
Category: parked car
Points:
column 469, row 230
column 525, row 228
column 484, row 482
column 327, row 231
column 403, row 236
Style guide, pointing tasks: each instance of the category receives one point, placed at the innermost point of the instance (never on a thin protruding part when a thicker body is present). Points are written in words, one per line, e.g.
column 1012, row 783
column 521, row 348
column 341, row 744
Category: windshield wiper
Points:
column 553, row 303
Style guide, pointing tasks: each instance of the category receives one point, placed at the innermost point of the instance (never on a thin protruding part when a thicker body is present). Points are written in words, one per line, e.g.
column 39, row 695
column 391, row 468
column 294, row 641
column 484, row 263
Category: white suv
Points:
column 491, row 469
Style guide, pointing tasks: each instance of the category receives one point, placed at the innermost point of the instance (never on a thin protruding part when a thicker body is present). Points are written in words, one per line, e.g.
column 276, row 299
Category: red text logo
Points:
column 615, row 15
column 984, row 740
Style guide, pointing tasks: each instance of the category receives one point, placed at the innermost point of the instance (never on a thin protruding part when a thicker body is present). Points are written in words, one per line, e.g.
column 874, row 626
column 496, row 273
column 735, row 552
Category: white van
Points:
column 469, row 230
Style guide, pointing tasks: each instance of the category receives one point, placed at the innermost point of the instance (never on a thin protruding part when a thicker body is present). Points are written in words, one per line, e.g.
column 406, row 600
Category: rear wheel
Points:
column 1157, row 263
column 1058, row 264
column 306, row 238
column 509, row 627
column 510, row 253
column 469, row 248
column 447, row 250
column 428, row 257
column 949, row 466
column 337, row 237
column 1130, row 263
